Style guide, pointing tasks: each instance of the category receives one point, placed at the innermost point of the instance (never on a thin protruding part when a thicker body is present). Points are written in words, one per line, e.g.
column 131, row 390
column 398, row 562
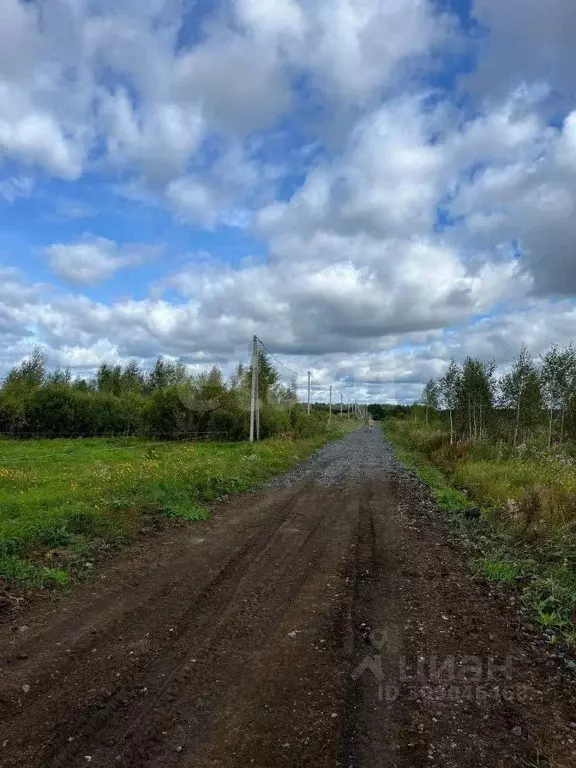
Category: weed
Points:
column 551, row 602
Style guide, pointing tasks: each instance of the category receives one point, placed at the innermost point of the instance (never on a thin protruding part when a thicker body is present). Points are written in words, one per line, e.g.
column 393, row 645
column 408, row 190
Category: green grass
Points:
column 447, row 497
column 12, row 567
column 527, row 530
column 497, row 567
column 61, row 501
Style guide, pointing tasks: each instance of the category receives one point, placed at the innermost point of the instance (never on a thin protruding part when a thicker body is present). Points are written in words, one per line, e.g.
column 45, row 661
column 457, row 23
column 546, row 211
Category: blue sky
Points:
column 371, row 187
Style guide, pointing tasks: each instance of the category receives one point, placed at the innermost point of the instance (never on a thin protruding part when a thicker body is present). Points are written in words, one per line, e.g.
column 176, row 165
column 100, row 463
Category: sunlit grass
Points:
column 59, row 498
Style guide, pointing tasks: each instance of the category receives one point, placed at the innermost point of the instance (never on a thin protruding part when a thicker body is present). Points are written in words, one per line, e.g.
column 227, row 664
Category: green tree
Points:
column 109, row 378
column 476, row 395
column 18, row 391
column 431, row 396
column 449, row 386
column 166, row 373
column 132, row 378
column 62, row 378
column 558, row 378
column 521, row 392
column 268, row 378
column 30, row 373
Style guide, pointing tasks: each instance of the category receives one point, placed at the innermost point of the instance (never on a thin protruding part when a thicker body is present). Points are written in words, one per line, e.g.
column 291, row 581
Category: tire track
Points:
column 233, row 642
column 205, row 602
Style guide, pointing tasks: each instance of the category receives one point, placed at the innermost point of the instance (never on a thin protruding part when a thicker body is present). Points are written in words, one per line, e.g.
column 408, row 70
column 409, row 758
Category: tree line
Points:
column 165, row 402
column 534, row 398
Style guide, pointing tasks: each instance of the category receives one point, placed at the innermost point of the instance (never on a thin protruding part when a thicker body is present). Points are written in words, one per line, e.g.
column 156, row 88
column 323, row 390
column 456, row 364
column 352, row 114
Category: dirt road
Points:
column 323, row 621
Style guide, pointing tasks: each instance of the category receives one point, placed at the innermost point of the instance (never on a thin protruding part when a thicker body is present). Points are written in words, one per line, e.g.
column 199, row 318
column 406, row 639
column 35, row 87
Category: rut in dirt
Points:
column 323, row 621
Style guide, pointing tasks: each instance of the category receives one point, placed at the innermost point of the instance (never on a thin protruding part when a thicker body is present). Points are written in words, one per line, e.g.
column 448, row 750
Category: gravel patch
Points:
column 353, row 458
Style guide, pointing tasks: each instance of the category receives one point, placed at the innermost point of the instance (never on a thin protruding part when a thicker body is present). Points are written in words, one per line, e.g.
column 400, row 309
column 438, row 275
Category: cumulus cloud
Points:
column 526, row 192
column 94, row 259
column 351, row 48
column 229, row 192
column 523, row 43
column 43, row 89
column 220, row 309
column 383, row 210
column 123, row 75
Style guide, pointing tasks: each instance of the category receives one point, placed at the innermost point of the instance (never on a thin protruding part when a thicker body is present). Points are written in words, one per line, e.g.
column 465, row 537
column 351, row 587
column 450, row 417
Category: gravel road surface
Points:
column 322, row 621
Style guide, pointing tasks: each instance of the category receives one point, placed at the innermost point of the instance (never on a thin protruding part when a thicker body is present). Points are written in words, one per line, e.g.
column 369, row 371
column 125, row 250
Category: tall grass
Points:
column 527, row 497
column 529, row 490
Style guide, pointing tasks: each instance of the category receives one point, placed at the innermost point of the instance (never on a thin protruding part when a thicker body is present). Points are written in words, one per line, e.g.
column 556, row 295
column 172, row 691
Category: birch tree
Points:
column 521, row 392
column 448, row 388
column 476, row 395
column 430, row 396
column 558, row 377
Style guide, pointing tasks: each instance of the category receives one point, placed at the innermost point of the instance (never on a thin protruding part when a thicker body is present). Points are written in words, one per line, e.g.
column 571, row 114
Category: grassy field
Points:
column 63, row 501
column 526, row 532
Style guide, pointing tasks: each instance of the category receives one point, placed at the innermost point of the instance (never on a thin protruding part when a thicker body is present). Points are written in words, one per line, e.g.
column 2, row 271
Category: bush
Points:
column 166, row 402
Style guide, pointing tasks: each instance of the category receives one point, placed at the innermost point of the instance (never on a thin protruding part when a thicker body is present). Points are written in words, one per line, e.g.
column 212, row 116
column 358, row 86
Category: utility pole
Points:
column 341, row 404
column 309, row 393
column 254, row 393
column 330, row 402
column 257, row 393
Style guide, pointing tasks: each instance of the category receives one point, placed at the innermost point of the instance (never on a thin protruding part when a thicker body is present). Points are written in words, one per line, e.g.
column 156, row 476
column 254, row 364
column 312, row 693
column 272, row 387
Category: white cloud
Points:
column 94, row 259
column 526, row 192
column 357, row 46
column 350, row 48
column 387, row 182
column 13, row 188
column 252, row 97
column 42, row 89
column 159, row 140
column 226, row 193
column 525, row 42
column 36, row 138
column 117, row 74
column 223, row 307
column 214, row 120
column 342, row 304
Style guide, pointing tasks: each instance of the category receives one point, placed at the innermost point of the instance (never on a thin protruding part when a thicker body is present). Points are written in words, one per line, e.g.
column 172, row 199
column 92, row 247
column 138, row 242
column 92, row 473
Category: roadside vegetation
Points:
column 63, row 502
column 500, row 457
column 179, row 444
column 166, row 402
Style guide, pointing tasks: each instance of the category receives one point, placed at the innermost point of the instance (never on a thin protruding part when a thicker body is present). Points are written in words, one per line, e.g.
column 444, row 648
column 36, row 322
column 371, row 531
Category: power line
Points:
column 273, row 356
column 292, row 371
column 298, row 375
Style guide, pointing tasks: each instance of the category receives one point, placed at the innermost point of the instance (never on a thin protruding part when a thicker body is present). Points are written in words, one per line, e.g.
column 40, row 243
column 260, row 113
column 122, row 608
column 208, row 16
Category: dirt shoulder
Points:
column 303, row 625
